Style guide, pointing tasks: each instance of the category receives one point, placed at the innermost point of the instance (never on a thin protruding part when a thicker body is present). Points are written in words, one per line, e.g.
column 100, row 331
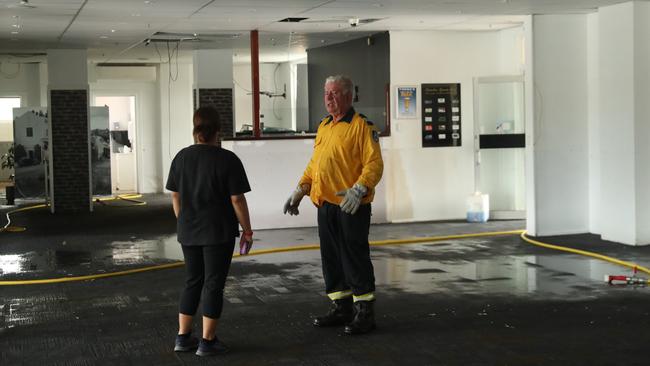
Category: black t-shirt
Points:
column 206, row 176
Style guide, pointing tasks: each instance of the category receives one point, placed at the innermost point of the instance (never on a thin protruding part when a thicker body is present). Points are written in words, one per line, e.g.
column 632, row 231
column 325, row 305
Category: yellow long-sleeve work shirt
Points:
column 345, row 152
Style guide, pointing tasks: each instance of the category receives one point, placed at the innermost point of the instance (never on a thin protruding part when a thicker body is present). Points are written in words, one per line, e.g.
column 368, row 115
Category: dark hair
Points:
column 206, row 123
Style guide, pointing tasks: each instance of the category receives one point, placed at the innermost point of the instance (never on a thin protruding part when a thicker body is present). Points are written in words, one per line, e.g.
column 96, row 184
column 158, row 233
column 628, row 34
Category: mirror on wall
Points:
column 292, row 71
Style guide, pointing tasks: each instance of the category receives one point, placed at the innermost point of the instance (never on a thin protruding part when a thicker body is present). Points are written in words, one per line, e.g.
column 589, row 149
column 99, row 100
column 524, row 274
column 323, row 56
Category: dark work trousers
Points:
column 344, row 249
column 207, row 268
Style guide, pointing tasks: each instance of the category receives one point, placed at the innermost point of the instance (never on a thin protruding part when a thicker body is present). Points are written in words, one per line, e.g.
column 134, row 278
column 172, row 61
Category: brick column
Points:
column 69, row 123
column 222, row 100
column 68, row 135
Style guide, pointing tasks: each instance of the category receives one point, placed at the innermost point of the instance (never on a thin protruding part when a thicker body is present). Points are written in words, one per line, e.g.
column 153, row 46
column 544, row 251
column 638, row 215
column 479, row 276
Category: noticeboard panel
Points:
column 441, row 122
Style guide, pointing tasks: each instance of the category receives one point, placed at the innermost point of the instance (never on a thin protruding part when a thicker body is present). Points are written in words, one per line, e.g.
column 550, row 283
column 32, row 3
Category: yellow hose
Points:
column 430, row 239
column 586, row 253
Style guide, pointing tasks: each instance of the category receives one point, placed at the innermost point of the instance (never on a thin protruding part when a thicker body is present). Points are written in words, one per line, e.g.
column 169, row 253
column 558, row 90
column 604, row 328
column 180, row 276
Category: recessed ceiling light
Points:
column 103, row 37
column 15, row 25
column 148, row 2
column 14, row 32
column 112, row 30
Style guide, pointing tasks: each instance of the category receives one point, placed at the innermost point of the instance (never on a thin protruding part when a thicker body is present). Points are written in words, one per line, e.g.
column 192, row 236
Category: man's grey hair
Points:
column 344, row 81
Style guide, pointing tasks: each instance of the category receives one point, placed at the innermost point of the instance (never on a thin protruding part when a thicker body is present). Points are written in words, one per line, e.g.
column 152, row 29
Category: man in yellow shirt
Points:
column 340, row 179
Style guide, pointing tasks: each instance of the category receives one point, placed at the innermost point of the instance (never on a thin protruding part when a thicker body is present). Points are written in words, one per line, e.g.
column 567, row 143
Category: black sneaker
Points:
column 185, row 343
column 211, row 348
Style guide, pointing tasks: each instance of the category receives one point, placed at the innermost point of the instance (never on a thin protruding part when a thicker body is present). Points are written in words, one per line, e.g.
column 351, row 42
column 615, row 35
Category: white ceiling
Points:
column 116, row 29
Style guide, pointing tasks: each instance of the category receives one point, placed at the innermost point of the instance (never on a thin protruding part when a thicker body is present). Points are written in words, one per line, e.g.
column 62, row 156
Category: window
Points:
column 7, row 104
column 30, row 132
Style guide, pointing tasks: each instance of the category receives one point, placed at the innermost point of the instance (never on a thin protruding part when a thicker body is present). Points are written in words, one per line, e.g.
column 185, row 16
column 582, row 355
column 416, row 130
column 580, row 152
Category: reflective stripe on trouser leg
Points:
column 370, row 296
column 339, row 295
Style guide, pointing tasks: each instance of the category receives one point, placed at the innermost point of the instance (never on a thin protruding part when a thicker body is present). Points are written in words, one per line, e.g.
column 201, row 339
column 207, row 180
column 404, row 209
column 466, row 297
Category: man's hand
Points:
column 291, row 206
column 352, row 198
column 245, row 242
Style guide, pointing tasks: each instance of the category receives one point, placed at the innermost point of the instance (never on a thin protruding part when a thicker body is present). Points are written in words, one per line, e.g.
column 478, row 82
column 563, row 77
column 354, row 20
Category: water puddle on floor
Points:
column 119, row 253
column 464, row 266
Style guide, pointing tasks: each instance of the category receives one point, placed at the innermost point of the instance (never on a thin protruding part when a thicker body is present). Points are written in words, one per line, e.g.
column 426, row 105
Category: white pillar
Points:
column 624, row 48
column 558, row 140
column 213, row 69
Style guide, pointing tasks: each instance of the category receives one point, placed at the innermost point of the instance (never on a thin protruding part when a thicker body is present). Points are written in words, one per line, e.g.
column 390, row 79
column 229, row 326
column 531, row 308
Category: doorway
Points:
column 7, row 105
column 122, row 127
column 499, row 144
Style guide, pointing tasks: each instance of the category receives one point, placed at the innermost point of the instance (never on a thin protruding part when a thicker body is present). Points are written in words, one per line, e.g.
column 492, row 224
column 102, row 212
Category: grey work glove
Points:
column 352, row 198
column 292, row 203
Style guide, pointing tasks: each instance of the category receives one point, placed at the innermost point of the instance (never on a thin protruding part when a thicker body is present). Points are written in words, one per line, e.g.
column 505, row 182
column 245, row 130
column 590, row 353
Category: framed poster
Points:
column 441, row 115
column 406, row 103
column 30, row 151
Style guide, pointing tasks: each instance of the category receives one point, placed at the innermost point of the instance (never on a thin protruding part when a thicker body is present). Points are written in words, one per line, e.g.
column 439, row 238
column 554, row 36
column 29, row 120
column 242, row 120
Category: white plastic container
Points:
column 478, row 207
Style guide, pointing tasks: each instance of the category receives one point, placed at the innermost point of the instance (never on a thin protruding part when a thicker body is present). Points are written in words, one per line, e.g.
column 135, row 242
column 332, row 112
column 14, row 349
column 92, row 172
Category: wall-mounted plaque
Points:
column 441, row 115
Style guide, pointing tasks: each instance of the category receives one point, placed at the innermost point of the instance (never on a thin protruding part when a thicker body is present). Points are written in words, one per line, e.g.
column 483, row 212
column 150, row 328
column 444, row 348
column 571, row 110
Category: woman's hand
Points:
column 245, row 242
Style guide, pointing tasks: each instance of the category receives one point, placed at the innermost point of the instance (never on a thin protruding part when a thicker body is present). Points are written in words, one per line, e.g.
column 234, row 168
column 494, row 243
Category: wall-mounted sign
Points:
column 406, row 102
column 441, row 115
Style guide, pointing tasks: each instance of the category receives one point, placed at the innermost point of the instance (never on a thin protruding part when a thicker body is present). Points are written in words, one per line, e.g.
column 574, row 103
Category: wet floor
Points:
column 478, row 301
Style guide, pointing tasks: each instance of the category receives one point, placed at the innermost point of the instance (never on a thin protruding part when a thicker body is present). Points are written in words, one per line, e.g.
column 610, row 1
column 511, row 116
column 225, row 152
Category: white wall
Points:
column 212, row 69
column 25, row 84
column 642, row 116
column 433, row 183
column 68, row 68
column 174, row 129
column 531, row 128
column 593, row 116
column 616, row 50
column 561, row 140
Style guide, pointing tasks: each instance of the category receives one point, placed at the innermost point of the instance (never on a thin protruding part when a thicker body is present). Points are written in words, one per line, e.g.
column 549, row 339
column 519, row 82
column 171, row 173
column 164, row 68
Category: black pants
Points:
column 207, row 268
column 345, row 251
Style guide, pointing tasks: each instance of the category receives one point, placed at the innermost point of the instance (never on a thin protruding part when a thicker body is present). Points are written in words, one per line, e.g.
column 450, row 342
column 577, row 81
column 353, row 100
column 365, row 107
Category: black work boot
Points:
column 364, row 318
column 340, row 313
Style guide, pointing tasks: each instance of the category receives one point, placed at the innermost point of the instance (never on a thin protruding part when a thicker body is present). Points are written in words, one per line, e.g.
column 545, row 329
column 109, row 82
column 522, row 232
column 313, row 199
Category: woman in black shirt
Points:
column 208, row 185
